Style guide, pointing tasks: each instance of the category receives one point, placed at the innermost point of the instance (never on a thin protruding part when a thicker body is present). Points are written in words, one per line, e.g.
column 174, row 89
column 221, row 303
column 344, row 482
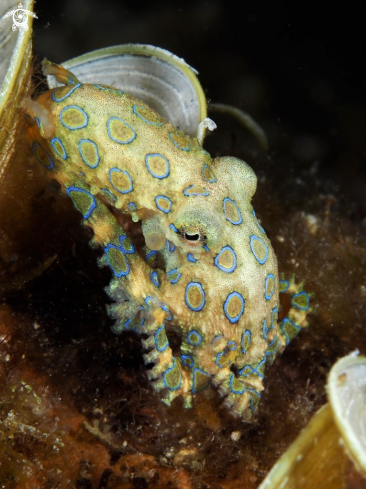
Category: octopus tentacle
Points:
column 297, row 316
column 241, row 391
column 131, row 283
column 119, row 254
column 167, row 374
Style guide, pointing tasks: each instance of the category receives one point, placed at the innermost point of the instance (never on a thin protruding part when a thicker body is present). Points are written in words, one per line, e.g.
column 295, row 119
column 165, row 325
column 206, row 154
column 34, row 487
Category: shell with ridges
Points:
column 151, row 74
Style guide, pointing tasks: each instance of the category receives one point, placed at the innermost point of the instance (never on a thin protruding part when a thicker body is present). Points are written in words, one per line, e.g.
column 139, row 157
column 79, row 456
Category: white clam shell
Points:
column 319, row 457
column 151, row 74
column 347, row 397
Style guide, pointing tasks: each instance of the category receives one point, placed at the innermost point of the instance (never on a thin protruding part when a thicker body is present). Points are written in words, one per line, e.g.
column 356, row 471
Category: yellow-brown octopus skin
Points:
column 208, row 271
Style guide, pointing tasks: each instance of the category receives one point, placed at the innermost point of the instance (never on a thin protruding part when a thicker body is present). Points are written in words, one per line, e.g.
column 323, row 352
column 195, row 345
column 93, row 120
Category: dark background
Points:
column 298, row 68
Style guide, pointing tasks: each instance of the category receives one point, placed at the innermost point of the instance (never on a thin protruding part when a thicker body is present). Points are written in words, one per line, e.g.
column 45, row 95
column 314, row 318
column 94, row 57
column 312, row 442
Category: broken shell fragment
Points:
column 347, row 398
column 320, row 456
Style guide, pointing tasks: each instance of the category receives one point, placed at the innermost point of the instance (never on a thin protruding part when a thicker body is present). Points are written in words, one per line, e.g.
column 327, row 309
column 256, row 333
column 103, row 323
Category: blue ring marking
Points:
column 172, row 272
column 243, row 341
column 125, row 123
column 270, row 344
column 265, row 329
column 55, row 99
column 116, row 274
column 148, row 301
column 217, row 361
column 240, row 220
column 124, row 251
column 38, row 121
column 164, row 347
column 81, row 152
column 187, row 148
column 63, row 155
column 169, row 370
column 170, row 246
column 194, row 342
column 190, row 194
column 252, row 370
column 187, row 360
column 81, row 190
column 79, row 109
column 108, row 192
column 231, row 345
column 162, row 197
column 255, row 238
column 142, row 322
column 226, row 303
column 256, row 393
column 274, row 317
column 270, row 295
column 216, row 261
column 127, row 323
column 131, row 206
column 262, row 362
column 155, row 278
column 194, row 379
column 303, row 293
column 82, row 173
column 268, row 353
column 150, row 254
column 285, row 288
column 129, row 251
column 34, row 149
column 166, row 309
column 113, row 90
column 295, row 326
column 167, row 171
column 118, row 170
column 195, row 284
column 239, row 391
column 135, row 327
column 205, row 247
column 136, row 107
column 173, row 228
column 257, row 222
column 210, row 180
column 191, row 258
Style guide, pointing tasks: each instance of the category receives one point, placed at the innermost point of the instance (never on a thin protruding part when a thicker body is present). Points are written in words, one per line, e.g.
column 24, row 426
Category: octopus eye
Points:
column 192, row 237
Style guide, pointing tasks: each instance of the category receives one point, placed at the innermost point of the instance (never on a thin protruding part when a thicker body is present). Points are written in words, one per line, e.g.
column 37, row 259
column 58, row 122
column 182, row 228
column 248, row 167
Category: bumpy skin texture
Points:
column 208, row 272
